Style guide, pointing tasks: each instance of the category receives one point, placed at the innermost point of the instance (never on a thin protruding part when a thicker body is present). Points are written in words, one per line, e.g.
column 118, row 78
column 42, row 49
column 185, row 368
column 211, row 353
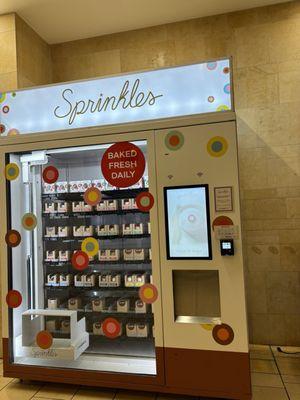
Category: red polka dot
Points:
column 174, row 140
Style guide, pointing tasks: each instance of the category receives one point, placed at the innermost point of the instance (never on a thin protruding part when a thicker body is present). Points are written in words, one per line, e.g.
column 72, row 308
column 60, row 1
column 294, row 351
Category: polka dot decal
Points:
column 144, row 201
column 90, row 246
column 217, row 146
column 211, row 65
column 148, row 293
column 13, row 94
column 13, row 238
column 13, row 132
column 222, row 220
column 44, row 340
column 92, row 196
column 223, row 334
column 2, row 128
column 227, row 88
column 80, row 260
column 13, row 299
column 111, row 328
column 207, row 327
column 210, row 99
column 2, row 97
column 226, row 70
column 50, row 174
column 5, row 109
column 12, row 171
column 222, row 107
column 174, row 140
column 29, row 221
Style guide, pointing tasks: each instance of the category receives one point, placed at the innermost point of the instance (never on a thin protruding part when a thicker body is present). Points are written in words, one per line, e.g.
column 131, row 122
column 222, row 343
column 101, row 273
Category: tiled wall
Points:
column 33, row 57
column 265, row 46
column 8, row 58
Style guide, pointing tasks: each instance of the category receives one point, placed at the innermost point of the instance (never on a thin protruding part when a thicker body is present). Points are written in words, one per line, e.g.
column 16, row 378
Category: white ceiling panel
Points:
column 64, row 20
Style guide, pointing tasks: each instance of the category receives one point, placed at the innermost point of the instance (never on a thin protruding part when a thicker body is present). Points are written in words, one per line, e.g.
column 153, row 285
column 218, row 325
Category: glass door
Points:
column 82, row 265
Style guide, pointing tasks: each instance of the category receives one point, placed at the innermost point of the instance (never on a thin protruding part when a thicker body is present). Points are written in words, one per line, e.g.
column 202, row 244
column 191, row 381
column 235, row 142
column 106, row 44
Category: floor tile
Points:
column 127, row 395
column 293, row 390
column 57, row 391
column 289, row 352
column 5, row 381
column 289, row 366
column 264, row 366
column 40, row 398
column 16, row 390
column 174, row 397
column 267, row 380
column 266, row 393
column 261, row 352
column 99, row 394
column 291, row 378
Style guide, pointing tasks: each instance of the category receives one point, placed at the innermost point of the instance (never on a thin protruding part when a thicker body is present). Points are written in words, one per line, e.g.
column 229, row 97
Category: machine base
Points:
column 187, row 372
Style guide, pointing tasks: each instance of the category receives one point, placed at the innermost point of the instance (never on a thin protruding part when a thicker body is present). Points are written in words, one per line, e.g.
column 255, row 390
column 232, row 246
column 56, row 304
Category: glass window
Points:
column 94, row 316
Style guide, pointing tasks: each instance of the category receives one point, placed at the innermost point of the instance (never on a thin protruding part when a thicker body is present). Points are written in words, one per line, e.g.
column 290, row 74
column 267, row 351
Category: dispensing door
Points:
column 205, row 330
column 83, row 258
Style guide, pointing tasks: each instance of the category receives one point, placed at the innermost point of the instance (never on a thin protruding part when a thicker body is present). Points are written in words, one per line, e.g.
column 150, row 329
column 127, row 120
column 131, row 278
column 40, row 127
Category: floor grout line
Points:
column 76, row 391
column 275, row 360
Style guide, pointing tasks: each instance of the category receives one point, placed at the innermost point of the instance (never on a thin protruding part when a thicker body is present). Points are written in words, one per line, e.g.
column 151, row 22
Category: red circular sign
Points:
column 123, row 164
column 13, row 299
column 111, row 328
column 144, row 201
column 50, row 174
column 80, row 260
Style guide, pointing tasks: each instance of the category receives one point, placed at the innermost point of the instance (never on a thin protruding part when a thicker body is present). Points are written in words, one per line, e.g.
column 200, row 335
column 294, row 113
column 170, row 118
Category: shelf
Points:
column 92, row 288
column 106, row 195
column 91, row 213
column 129, row 314
column 108, row 237
column 97, row 264
column 122, row 346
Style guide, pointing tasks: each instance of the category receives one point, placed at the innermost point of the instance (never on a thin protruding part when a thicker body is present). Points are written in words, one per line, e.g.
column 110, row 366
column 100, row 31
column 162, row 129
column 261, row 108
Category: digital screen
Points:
column 187, row 222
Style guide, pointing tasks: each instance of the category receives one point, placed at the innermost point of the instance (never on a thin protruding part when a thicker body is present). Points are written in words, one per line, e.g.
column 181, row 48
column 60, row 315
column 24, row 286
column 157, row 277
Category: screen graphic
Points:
column 187, row 222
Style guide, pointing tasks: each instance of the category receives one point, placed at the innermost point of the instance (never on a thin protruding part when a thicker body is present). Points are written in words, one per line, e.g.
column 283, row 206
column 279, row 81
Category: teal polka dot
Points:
column 11, row 172
column 90, row 247
column 217, row 146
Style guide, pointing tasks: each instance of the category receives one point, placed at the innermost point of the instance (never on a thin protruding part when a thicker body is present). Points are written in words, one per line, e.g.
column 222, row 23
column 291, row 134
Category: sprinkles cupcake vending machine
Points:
column 123, row 264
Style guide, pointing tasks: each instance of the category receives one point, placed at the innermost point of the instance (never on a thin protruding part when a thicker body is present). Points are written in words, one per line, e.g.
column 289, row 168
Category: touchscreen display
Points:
column 187, row 222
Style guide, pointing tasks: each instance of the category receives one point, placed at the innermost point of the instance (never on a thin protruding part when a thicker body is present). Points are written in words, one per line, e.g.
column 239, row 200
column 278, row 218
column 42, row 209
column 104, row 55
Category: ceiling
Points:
column 64, row 20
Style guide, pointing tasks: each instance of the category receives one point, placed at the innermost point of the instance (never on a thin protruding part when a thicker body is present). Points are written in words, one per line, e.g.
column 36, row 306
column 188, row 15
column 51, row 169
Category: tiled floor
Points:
column 275, row 376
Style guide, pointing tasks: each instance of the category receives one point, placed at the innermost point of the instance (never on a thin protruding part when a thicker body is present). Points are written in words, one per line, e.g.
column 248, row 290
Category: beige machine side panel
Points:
column 3, row 253
column 192, row 165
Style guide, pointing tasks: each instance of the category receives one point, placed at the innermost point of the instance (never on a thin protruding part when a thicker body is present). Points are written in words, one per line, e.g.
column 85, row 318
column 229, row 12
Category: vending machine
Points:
column 121, row 256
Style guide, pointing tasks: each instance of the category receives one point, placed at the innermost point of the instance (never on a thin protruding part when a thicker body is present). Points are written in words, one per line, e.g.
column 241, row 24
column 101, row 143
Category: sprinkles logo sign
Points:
column 143, row 96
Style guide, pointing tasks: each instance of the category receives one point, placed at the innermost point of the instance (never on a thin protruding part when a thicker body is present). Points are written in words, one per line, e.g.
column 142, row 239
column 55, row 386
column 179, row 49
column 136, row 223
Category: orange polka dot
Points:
column 174, row 140
column 44, row 340
column 13, row 238
column 223, row 334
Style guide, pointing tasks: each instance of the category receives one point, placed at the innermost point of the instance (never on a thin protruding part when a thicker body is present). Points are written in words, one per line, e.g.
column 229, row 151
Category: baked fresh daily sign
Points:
column 165, row 93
